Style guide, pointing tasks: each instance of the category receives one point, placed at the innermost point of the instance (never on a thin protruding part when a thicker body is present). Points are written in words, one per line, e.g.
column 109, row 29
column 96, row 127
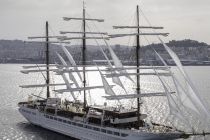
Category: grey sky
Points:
column 181, row 18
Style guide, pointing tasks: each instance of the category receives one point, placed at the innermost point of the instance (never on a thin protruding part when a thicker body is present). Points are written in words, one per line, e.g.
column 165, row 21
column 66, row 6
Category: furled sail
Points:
column 141, row 67
column 41, row 85
column 78, row 89
column 142, row 73
column 34, row 71
column 132, row 96
column 37, row 66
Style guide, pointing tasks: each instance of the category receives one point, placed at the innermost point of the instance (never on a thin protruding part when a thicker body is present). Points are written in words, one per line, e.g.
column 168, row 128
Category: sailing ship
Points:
column 80, row 120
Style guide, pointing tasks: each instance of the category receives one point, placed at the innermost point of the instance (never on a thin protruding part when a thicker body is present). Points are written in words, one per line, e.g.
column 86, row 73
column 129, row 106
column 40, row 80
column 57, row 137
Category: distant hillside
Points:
column 17, row 51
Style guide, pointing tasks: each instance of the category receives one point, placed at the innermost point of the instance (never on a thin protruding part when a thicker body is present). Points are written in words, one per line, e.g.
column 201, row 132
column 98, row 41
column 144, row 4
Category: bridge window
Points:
column 89, row 127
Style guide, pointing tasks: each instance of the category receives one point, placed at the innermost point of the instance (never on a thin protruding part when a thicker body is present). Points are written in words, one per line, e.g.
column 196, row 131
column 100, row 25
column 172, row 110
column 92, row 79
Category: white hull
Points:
column 86, row 131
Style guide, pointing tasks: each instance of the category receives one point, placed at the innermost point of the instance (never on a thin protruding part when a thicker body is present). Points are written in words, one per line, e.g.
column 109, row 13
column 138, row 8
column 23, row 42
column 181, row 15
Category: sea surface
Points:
column 14, row 127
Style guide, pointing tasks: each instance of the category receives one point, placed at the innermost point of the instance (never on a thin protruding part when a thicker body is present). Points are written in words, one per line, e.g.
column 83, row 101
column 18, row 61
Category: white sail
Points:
column 71, row 76
column 71, row 59
column 184, row 98
column 115, row 80
column 181, row 99
column 107, row 87
column 161, row 59
column 173, row 105
column 174, row 57
column 187, row 99
column 117, row 61
column 65, row 78
column 192, row 92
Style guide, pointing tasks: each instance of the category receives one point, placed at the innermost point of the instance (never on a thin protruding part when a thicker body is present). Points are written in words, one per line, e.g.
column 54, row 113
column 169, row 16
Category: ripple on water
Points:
column 14, row 127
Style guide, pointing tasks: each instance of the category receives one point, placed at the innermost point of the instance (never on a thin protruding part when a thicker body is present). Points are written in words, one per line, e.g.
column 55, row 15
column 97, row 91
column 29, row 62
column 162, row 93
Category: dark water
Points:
column 14, row 127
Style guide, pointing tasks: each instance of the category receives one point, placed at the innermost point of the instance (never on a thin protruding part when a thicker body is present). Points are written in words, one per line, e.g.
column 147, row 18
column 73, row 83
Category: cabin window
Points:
column 116, row 133
column 47, row 116
column 51, row 117
column 96, row 129
column 64, row 121
column 55, row 119
column 59, row 120
column 89, row 127
column 109, row 132
column 73, row 123
column 27, row 111
column 103, row 130
column 80, row 125
column 124, row 135
column 69, row 122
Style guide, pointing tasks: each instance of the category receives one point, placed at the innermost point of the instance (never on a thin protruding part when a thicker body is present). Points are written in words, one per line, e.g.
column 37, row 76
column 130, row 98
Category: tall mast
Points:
column 83, row 19
column 84, row 55
column 138, row 34
column 47, row 61
column 138, row 90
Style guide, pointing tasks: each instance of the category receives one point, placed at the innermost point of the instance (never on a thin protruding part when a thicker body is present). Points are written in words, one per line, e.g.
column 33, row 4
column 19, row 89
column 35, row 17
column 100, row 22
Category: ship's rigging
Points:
column 182, row 102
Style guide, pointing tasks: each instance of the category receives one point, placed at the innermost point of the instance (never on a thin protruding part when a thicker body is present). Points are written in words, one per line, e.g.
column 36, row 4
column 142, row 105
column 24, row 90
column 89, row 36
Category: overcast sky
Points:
column 181, row 18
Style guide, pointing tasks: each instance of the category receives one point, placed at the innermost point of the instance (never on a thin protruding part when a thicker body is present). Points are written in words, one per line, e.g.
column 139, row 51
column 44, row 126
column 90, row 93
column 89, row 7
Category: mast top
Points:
column 83, row 5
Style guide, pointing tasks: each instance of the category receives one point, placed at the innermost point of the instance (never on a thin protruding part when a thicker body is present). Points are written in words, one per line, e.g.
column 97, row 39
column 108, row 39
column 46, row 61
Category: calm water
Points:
column 14, row 127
